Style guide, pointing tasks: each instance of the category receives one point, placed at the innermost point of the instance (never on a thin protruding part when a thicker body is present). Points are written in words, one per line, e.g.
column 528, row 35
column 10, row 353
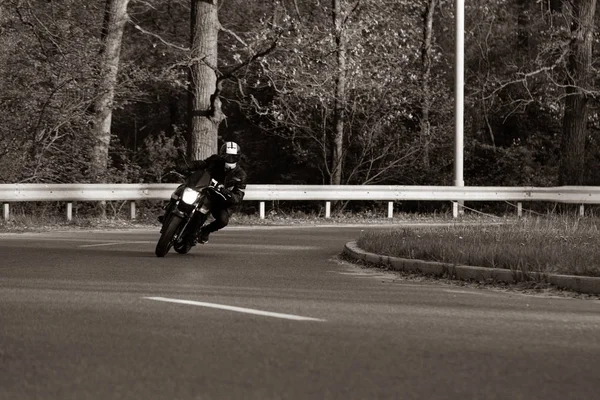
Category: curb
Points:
column 581, row 284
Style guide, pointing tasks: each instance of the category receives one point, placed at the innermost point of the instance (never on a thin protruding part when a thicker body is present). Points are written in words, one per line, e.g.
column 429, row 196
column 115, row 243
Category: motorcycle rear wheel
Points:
column 168, row 236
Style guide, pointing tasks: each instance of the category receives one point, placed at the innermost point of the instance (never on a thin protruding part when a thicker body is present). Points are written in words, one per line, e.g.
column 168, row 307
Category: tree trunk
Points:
column 426, row 60
column 115, row 18
column 340, row 93
column 523, row 24
column 575, row 119
column 204, row 105
column 112, row 33
column 556, row 6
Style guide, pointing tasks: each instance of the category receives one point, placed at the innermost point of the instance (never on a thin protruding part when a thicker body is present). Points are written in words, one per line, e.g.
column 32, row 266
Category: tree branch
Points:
column 154, row 35
column 354, row 8
column 248, row 61
column 232, row 33
column 527, row 75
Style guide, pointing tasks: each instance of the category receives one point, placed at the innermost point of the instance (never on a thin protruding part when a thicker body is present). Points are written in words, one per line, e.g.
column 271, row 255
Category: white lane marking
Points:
column 466, row 292
column 114, row 243
column 258, row 246
column 237, row 309
column 216, row 245
column 357, row 273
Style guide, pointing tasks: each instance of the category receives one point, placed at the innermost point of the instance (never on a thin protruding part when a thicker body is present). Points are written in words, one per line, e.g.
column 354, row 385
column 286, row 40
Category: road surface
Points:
column 271, row 313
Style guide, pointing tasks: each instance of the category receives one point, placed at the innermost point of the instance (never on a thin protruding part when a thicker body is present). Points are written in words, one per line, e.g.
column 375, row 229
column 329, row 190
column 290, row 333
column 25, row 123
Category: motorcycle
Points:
column 186, row 212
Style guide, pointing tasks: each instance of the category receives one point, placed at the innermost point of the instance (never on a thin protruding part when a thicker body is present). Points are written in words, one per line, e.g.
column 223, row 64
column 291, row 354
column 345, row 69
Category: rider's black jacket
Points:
column 233, row 180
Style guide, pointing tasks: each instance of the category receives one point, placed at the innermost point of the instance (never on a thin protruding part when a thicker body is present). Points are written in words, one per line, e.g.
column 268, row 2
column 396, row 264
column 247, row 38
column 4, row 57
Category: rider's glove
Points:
column 226, row 194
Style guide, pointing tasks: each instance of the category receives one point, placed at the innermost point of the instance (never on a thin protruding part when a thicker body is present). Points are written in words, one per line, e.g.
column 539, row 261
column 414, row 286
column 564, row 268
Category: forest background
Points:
column 315, row 92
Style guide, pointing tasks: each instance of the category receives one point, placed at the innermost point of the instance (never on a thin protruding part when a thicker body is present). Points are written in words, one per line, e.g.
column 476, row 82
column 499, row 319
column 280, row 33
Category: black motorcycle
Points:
column 185, row 214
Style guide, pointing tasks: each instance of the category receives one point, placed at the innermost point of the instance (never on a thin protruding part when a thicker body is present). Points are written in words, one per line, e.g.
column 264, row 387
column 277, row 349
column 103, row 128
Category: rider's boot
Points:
column 203, row 236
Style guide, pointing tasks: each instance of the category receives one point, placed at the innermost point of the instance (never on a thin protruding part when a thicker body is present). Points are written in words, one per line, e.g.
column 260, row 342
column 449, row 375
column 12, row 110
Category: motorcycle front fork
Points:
column 168, row 207
column 192, row 226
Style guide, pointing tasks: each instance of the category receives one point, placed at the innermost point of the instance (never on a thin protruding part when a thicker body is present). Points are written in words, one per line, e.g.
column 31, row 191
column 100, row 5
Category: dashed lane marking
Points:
column 114, row 243
column 214, row 245
column 236, row 309
column 468, row 292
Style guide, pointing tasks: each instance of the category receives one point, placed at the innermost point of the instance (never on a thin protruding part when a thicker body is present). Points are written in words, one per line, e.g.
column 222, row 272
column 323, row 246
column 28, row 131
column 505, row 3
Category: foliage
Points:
column 158, row 156
column 47, row 79
column 281, row 106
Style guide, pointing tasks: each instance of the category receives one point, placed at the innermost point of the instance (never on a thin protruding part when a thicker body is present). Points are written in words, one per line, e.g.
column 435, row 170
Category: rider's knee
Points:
column 223, row 219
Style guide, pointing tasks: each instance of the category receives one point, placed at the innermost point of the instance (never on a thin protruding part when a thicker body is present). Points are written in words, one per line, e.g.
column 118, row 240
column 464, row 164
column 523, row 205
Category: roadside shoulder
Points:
column 579, row 284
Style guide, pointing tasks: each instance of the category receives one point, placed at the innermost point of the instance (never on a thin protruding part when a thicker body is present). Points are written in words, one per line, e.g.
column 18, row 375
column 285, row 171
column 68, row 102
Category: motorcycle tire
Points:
column 182, row 247
column 168, row 236
column 185, row 245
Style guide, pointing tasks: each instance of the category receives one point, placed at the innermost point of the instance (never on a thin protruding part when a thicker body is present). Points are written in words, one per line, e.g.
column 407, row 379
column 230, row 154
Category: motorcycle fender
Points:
column 168, row 218
column 179, row 213
column 204, row 209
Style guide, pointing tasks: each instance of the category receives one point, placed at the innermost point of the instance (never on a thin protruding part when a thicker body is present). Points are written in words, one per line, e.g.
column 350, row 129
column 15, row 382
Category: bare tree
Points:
column 340, row 91
column 523, row 19
column 427, row 96
column 579, row 70
column 115, row 18
column 204, row 105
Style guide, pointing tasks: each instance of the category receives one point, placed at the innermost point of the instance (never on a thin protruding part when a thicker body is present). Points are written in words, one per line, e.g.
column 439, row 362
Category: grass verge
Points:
column 554, row 244
column 37, row 223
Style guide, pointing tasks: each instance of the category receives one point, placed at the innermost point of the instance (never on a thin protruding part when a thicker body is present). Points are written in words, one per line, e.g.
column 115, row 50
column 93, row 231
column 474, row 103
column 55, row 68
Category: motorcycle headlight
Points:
column 189, row 196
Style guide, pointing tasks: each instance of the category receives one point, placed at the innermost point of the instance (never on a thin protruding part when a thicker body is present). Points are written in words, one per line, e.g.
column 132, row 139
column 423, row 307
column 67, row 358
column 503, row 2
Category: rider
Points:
column 224, row 168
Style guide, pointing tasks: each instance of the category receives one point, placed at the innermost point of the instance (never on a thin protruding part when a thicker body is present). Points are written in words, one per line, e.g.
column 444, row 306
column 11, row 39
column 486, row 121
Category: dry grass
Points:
column 22, row 222
column 563, row 245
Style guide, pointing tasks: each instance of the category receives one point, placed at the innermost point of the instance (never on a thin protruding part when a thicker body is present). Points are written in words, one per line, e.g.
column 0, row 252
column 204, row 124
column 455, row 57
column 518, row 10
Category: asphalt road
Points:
column 271, row 314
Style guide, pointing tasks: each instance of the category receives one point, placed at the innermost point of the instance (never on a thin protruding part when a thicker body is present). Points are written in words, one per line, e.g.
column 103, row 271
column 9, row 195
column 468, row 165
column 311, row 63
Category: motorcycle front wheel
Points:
column 167, row 236
column 182, row 247
column 188, row 240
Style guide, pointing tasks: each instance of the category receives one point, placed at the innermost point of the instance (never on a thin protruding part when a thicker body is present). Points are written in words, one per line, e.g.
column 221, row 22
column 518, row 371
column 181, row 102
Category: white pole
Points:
column 69, row 211
column 262, row 209
column 459, row 93
column 390, row 209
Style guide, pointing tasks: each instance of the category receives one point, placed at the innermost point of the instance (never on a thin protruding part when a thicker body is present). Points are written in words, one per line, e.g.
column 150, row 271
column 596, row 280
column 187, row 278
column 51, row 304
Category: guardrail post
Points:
column 327, row 209
column 262, row 209
column 519, row 209
column 132, row 209
column 69, row 211
column 5, row 211
column 390, row 209
column 455, row 209
column 581, row 210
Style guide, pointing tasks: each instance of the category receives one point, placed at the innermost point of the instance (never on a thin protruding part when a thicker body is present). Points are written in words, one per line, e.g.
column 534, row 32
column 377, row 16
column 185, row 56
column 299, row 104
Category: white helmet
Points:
column 230, row 151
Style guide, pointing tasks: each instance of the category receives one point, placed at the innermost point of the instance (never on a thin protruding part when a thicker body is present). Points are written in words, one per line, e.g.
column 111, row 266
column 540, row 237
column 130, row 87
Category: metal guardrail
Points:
column 135, row 192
